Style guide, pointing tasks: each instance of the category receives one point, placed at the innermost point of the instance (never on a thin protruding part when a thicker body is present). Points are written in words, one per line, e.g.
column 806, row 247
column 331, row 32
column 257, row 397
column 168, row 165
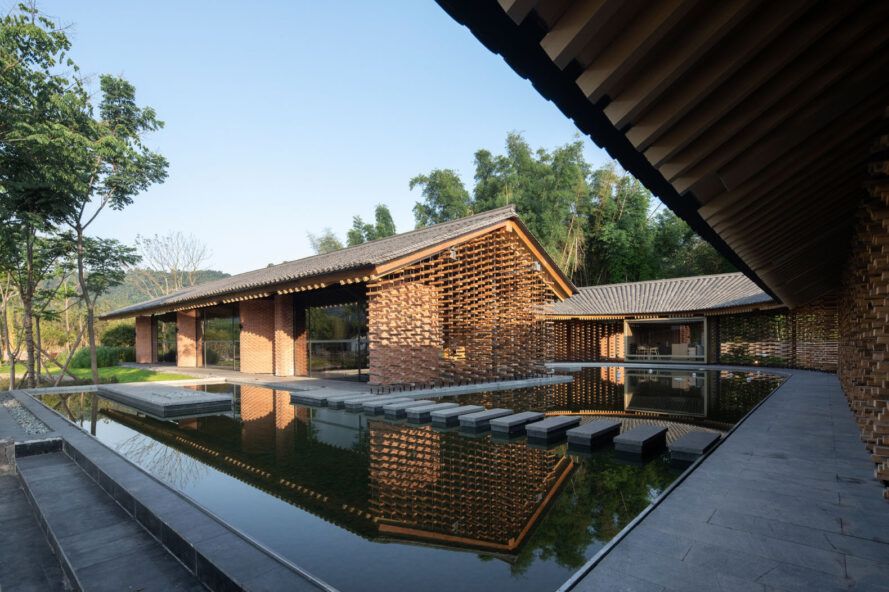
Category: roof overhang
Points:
column 753, row 121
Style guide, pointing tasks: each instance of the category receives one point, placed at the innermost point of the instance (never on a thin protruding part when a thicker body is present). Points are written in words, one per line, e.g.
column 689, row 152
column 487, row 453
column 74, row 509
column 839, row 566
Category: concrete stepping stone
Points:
column 593, row 434
column 399, row 410
column 480, row 421
column 375, row 407
column 551, row 429
column 423, row 413
column 693, row 445
column 312, row 399
column 446, row 418
column 642, row 441
column 356, row 405
column 339, row 401
column 514, row 425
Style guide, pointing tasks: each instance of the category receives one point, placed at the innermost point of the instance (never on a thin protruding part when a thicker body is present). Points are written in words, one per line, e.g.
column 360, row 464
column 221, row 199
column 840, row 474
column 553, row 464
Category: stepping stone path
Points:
column 551, row 429
column 447, row 418
column 423, row 413
column 642, row 441
column 593, row 434
column 693, row 445
column 481, row 420
column 399, row 410
column 514, row 425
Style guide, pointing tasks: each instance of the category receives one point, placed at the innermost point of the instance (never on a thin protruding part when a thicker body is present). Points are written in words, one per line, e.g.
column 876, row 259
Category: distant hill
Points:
column 131, row 292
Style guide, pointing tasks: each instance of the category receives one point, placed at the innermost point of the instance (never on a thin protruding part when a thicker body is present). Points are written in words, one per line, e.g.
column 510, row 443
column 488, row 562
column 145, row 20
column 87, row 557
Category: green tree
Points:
column 678, row 251
column 361, row 231
column 326, row 242
column 444, row 197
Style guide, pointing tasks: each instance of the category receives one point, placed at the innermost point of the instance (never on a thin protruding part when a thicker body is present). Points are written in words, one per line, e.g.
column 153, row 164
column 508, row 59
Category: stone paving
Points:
column 787, row 502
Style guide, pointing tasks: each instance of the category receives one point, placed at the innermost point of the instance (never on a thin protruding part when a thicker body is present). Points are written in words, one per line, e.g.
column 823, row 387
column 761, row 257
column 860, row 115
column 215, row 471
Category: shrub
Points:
column 119, row 336
column 105, row 356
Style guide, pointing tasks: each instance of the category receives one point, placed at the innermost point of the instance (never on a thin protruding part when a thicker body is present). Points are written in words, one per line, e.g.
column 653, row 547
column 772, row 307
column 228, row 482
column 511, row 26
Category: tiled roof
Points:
column 358, row 257
column 688, row 294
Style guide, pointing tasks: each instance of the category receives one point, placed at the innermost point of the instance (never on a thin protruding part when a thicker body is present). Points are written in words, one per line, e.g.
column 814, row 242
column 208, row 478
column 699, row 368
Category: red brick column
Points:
column 187, row 354
column 300, row 341
column 258, row 336
column 284, row 354
column 144, row 340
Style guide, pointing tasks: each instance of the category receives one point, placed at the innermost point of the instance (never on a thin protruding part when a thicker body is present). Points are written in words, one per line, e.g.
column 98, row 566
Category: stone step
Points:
column 642, row 440
column 311, row 398
column 514, row 425
column 423, row 413
column 446, row 418
column 399, row 410
column 339, row 401
column 375, row 407
column 481, row 420
column 100, row 546
column 593, row 434
column 692, row 446
column 356, row 405
column 551, row 429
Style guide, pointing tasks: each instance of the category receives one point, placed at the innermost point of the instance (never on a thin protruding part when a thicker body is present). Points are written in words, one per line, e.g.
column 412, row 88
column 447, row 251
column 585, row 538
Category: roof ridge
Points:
column 663, row 280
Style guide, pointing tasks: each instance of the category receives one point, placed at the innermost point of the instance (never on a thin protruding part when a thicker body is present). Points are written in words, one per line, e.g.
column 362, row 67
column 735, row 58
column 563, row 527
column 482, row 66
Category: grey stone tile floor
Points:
column 787, row 502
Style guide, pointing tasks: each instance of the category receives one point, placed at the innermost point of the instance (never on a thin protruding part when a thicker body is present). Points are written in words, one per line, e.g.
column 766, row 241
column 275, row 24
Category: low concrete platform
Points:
column 339, row 401
column 692, row 446
column 375, row 407
column 310, row 399
column 166, row 402
column 357, row 404
column 480, row 421
column 448, row 418
column 399, row 410
column 642, row 441
column 551, row 429
column 514, row 425
column 593, row 434
column 423, row 413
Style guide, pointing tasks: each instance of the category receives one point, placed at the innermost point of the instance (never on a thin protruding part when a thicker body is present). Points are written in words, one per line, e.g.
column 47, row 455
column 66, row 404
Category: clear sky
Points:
column 286, row 117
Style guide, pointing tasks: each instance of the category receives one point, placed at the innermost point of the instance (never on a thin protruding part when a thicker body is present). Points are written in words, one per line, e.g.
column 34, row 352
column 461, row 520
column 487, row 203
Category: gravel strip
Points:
column 26, row 419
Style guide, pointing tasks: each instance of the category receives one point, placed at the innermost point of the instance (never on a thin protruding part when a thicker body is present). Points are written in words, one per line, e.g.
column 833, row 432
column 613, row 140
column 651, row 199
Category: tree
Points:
column 444, row 197
column 110, row 166
column 361, row 232
column 168, row 263
column 326, row 242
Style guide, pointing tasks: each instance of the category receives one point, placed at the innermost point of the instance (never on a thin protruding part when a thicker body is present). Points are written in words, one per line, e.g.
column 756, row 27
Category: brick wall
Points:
column 469, row 313
column 257, row 336
column 187, row 344
column 284, row 337
column 864, row 330
column 144, row 340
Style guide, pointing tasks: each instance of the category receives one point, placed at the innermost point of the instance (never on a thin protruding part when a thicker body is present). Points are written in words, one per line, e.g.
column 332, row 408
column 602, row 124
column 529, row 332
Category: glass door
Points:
column 338, row 340
column 221, row 331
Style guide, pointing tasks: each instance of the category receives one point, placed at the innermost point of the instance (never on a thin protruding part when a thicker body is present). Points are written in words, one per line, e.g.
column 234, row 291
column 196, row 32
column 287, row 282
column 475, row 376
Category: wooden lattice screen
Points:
column 469, row 313
column 803, row 338
column 587, row 341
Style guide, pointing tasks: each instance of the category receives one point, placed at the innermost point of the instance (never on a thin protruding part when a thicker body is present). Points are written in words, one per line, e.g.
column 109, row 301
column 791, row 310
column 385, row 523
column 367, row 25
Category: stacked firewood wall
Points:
column 578, row 340
column 805, row 337
column 470, row 313
column 864, row 319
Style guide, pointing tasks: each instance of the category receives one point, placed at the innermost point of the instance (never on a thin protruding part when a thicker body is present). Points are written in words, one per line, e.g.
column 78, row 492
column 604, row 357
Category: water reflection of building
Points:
column 450, row 489
column 374, row 478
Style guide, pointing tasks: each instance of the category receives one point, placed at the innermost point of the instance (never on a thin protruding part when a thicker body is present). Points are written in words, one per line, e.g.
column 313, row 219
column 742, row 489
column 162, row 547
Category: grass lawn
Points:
column 121, row 373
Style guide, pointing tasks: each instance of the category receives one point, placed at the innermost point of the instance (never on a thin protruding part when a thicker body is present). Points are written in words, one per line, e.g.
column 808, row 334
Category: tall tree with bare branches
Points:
column 169, row 263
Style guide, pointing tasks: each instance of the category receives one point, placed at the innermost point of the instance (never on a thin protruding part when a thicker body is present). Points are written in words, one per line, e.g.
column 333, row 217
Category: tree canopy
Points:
column 600, row 225
column 361, row 231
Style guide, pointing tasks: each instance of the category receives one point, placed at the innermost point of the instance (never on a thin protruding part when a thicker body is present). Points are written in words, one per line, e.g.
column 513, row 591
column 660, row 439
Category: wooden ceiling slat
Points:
column 785, row 176
column 518, row 10
column 675, row 60
column 782, row 174
column 749, row 95
column 583, row 21
column 705, row 89
column 642, row 34
column 817, row 95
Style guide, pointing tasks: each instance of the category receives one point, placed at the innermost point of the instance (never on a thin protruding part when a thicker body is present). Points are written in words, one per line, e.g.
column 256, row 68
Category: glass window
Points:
column 338, row 340
column 668, row 339
column 221, row 336
column 166, row 340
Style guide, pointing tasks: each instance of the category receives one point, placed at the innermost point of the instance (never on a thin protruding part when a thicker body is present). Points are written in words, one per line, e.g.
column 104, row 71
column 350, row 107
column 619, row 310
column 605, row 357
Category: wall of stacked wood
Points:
column 864, row 329
column 578, row 340
column 806, row 337
column 470, row 313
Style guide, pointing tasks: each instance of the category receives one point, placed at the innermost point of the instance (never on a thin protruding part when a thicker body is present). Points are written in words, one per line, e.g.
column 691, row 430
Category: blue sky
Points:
column 288, row 117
